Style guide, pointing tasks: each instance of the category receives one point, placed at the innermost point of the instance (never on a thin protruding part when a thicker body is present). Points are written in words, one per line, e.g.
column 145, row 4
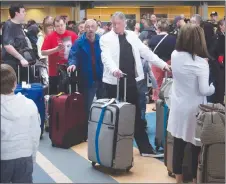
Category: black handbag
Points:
column 63, row 79
column 29, row 55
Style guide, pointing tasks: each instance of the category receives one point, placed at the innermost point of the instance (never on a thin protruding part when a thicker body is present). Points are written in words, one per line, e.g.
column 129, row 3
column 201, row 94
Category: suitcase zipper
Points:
column 100, row 108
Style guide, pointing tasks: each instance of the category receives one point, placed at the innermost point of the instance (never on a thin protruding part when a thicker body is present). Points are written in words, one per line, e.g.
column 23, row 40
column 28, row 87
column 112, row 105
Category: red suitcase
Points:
column 67, row 119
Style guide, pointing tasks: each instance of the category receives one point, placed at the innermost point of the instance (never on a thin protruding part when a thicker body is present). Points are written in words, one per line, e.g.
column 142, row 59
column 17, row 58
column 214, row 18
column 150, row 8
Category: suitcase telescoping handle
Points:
column 76, row 85
column 28, row 74
column 125, row 85
column 166, row 77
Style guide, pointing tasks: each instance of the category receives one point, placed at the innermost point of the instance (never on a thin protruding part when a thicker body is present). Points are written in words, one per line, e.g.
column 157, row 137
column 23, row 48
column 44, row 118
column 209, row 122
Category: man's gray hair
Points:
column 197, row 18
column 90, row 20
column 119, row 15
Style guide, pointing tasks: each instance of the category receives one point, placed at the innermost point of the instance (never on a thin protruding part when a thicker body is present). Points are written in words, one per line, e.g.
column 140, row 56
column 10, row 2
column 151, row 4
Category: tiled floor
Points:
column 72, row 166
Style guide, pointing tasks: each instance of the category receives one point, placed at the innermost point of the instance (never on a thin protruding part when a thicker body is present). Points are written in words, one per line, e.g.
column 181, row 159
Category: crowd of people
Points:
column 191, row 51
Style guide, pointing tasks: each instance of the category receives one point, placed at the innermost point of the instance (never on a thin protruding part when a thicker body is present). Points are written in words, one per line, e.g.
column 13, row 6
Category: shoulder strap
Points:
column 27, row 40
column 160, row 42
column 100, row 122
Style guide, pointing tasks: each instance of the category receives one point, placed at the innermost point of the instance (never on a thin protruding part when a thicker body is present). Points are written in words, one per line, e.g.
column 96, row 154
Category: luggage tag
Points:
column 61, row 93
column 25, row 85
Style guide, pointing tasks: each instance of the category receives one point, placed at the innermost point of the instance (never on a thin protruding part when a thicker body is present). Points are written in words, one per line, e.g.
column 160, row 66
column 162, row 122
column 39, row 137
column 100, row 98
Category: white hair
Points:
column 119, row 15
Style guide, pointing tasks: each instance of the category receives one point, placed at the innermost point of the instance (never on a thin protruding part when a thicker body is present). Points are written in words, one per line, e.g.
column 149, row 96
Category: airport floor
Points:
column 55, row 165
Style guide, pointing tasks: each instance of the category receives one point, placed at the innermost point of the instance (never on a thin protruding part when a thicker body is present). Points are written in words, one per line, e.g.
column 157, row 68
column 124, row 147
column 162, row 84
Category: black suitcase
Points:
column 168, row 159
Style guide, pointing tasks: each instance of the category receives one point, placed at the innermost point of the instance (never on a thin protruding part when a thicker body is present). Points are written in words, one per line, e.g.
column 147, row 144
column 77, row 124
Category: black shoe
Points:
column 152, row 153
column 47, row 129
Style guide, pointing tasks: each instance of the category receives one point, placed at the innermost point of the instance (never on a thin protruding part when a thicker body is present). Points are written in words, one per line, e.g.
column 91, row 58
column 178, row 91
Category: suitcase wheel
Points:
column 170, row 174
column 128, row 169
column 113, row 171
column 157, row 148
column 94, row 164
column 53, row 145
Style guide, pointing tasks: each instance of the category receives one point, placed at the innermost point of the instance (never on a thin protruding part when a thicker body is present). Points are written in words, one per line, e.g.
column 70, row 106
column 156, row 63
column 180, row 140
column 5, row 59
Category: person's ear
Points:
column 14, row 87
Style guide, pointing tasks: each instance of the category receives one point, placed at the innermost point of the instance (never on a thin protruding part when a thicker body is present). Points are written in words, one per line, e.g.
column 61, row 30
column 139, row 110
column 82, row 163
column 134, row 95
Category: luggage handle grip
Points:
column 166, row 75
column 125, row 85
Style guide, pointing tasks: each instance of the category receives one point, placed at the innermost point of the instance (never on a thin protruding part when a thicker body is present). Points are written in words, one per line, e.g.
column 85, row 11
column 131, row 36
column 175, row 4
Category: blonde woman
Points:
column 47, row 29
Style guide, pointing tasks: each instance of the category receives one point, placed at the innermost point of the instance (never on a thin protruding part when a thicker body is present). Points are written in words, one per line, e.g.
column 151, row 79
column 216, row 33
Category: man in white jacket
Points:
column 121, row 53
column 20, row 131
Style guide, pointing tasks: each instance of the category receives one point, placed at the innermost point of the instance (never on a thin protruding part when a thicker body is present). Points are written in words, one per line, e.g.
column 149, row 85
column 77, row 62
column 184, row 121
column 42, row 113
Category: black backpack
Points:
column 33, row 39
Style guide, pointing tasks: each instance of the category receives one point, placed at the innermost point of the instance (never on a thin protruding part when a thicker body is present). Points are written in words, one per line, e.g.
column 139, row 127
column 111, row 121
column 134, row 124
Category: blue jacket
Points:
column 80, row 56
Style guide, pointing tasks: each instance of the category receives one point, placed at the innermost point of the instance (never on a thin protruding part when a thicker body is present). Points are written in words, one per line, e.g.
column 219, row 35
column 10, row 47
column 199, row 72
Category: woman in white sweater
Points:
column 190, row 88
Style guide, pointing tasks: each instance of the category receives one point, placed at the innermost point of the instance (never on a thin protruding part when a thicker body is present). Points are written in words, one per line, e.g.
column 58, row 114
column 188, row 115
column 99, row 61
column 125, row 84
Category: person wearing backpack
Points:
column 16, row 47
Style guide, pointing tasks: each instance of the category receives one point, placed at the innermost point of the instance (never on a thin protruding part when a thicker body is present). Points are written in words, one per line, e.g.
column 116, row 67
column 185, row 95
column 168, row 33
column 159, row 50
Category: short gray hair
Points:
column 90, row 20
column 119, row 15
column 197, row 18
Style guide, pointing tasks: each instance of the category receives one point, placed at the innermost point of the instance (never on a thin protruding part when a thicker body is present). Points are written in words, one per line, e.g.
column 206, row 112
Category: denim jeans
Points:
column 147, row 70
column 17, row 170
column 142, row 88
column 142, row 101
column 89, row 94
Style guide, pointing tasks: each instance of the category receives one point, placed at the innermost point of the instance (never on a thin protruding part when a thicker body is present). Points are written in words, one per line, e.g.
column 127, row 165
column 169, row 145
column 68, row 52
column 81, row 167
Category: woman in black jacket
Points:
column 162, row 45
column 217, row 64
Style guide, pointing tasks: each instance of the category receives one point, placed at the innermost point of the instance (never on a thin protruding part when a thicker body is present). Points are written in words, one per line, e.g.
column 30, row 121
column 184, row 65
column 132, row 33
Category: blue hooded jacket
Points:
column 80, row 56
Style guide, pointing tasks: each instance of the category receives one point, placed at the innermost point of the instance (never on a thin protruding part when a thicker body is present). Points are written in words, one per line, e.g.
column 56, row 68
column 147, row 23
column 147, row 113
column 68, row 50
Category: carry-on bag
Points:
column 187, row 161
column 67, row 119
column 111, row 132
column 211, row 132
column 211, row 166
column 162, row 113
column 35, row 92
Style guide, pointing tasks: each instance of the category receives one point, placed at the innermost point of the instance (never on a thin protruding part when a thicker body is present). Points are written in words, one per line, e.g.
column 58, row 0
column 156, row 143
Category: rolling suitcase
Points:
column 162, row 113
column 111, row 132
column 210, row 132
column 211, row 167
column 34, row 92
column 168, row 159
column 67, row 119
